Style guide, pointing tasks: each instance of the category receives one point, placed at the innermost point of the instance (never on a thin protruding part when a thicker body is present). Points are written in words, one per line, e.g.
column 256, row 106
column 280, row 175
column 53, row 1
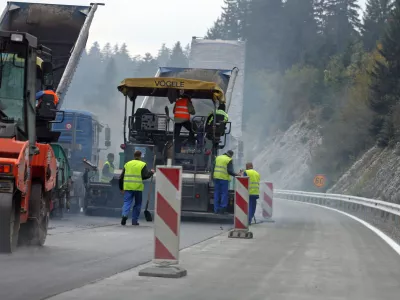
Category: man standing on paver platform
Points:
column 254, row 189
column 131, row 182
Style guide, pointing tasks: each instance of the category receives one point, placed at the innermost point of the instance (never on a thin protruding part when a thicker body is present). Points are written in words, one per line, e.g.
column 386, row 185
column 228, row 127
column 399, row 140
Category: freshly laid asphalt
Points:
column 309, row 253
column 80, row 250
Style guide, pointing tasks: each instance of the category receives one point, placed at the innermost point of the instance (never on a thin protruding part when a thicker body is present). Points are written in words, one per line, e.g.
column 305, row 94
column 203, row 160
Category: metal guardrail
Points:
column 384, row 215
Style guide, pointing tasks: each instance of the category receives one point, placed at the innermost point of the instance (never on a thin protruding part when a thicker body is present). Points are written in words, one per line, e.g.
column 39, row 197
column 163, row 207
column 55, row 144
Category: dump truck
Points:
column 35, row 43
column 225, row 54
column 149, row 129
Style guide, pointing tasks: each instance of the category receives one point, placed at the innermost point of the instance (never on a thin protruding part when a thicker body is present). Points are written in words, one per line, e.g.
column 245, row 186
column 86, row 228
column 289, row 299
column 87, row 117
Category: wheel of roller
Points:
column 40, row 211
column 9, row 223
column 34, row 232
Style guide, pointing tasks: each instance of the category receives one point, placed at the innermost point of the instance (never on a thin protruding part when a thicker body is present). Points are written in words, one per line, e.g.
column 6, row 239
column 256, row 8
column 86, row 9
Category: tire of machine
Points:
column 35, row 230
column 9, row 222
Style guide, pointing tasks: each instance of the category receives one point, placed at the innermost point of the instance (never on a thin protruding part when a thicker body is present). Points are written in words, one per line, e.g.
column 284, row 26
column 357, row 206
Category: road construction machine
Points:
column 35, row 51
column 150, row 129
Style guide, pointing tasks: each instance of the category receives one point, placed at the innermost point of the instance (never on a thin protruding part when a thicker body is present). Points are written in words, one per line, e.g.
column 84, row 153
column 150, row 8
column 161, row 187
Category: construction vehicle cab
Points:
column 152, row 132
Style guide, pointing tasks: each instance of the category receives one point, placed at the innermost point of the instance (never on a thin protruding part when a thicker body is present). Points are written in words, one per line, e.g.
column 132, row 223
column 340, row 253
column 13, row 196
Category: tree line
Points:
column 325, row 62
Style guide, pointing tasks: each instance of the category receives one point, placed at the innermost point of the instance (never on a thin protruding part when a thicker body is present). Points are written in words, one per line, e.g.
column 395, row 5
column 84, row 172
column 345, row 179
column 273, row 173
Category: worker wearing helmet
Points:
column 182, row 110
column 254, row 189
column 131, row 183
column 222, row 171
column 107, row 174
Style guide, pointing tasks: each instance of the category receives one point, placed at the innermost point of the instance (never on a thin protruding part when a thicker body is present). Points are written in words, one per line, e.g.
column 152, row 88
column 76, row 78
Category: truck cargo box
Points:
column 55, row 26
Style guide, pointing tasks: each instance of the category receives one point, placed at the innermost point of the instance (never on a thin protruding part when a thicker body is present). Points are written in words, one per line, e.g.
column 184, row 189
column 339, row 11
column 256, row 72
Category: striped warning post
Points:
column 242, row 203
column 267, row 200
column 241, row 228
column 167, row 218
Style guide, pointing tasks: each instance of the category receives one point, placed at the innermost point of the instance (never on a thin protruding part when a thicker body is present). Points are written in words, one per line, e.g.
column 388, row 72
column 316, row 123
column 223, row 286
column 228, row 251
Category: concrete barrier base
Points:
column 164, row 272
column 240, row 234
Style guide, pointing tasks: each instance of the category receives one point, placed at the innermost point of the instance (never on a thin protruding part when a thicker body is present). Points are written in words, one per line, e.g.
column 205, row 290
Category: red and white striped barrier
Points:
column 267, row 196
column 242, row 203
column 241, row 228
column 167, row 217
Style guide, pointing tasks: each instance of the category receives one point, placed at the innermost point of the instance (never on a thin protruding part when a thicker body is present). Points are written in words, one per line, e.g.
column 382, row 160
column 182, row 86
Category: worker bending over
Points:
column 182, row 110
column 131, row 182
column 223, row 169
column 254, row 189
column 107, row 174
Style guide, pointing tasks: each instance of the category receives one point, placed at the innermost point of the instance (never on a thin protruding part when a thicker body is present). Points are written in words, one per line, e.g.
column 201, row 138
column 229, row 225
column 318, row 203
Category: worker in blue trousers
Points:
column 254, row 189
column 131, row 184
column 223, row 169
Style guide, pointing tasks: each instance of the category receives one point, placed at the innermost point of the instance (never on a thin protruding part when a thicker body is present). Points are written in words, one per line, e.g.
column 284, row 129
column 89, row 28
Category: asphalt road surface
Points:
column 80, row 250
column 309, row 253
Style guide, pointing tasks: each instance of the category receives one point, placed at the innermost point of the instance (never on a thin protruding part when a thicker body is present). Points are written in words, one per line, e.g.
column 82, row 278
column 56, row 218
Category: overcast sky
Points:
column 145, row 24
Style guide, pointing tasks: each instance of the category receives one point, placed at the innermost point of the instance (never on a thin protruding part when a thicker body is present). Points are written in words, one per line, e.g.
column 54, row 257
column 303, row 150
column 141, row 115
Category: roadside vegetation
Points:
column 320, row 59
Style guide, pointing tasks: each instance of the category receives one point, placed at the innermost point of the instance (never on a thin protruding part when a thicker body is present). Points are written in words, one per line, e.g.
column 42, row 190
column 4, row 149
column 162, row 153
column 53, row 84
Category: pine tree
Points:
column 231, row 19
column 115, row 49
column 265, row 34
column 163, row 56
column 217, row 31
column 147, row 66
column 243, row 16
column 94, row 51
column 124, row 50
column 342, row 23
column 385, row 87
column 106, row 52
column 320, row 14
column 300, row 33
column 178, row 58
column 186, row 51
column 124, row 62
column 375, row 19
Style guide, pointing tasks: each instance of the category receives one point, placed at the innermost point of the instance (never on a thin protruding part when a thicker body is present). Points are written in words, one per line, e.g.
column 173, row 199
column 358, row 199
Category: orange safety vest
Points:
column 181, row 109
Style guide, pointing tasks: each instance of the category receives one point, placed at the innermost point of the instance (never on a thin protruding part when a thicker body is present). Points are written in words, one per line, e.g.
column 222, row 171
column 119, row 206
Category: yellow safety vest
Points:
column 254, row 188
column 106, row 178
column 133, row 175
column 218, row 112
column 221, row 167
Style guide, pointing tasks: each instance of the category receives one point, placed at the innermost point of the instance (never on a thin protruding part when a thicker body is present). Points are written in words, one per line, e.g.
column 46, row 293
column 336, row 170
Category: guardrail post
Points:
column 167, row 220
column 241, row 227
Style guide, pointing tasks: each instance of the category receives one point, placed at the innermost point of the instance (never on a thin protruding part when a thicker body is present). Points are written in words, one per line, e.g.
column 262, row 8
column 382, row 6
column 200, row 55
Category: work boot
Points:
column 223, row 211
column 123, row 221
column 135, row 223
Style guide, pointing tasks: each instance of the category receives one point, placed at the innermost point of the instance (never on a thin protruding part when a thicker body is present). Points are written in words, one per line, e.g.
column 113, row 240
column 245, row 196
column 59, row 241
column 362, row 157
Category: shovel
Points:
column 147, row 214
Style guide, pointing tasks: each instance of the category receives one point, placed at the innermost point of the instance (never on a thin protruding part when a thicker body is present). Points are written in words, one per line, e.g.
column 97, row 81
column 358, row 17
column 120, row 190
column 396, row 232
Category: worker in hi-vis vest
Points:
column 220, row 113
column 223, row 169
column 254, row 189
column 131, row 183
column 107, row 174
